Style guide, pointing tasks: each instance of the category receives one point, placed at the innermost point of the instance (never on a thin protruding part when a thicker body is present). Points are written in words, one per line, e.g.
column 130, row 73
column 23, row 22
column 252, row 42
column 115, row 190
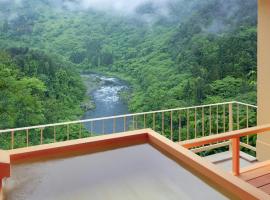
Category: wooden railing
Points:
column 234, row 136
column 178, row 124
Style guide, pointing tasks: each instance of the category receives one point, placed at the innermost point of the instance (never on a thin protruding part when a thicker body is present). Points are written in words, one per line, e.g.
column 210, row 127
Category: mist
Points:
column 116, row 6
column 149, row 11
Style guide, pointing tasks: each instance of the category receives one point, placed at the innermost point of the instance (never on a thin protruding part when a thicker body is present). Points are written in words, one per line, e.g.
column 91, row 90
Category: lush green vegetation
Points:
column 37, row 89
column 199, row 52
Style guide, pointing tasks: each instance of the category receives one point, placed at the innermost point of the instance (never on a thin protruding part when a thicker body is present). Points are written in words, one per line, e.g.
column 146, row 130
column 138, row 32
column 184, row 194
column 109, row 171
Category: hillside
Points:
column 37, row 89
column 174, row 53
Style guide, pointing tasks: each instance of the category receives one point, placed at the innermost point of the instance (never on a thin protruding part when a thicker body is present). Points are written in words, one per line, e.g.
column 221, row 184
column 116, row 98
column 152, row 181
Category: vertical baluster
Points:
column 217, row 120
column 144, row 121
column 238, row 121
column 27, row 137
column 12, row 139
column 154, row 121
column 41, row 136
column 195, row 122
column 202, row 121
column 230, row 107
column 247, row 114
column 114, row 125
column 171, row 125
column 91, row 128
column 230, row 117
column 125, row 123
column 133, row 122
column 54, row 134
column 187, row 124
column 162, row 123
column 224, row 119
column 80, row 131
column 210, row 120
column 67, row 132
column 180, row 126
column 103, row 126
column 136, row 122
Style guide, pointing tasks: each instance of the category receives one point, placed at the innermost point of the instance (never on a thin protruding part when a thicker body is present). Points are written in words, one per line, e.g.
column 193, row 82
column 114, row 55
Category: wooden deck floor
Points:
column 258, row 176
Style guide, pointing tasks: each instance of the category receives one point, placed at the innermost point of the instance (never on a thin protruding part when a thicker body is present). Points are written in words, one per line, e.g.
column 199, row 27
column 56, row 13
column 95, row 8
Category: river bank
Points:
column 94, row 81
column 91, row 83
column 104, row 98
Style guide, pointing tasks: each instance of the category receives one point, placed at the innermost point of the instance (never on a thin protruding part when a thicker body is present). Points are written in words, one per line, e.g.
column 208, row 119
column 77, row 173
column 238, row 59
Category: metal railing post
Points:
column 12, row 139
column 230, row 117
column 230, row 122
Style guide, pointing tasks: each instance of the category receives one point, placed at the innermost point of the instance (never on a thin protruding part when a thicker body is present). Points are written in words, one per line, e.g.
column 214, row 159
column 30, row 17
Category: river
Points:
column 104, row 92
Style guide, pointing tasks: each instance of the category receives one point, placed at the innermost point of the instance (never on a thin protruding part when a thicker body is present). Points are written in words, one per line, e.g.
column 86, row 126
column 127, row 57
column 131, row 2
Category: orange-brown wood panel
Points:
column 254, row 173
column 224, row 136
column 82, row 146
column 266, row 188
column 260, row 181
column 4, row 170
column 238, row 188
column 236, row 156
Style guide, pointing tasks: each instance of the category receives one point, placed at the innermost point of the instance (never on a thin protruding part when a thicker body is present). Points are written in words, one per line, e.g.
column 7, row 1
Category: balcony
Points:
column 177, row 124
column 200, row 139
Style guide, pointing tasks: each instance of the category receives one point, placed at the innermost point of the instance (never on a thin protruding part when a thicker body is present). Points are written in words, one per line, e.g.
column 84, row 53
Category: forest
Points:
column 37, row 89
column 174, row 54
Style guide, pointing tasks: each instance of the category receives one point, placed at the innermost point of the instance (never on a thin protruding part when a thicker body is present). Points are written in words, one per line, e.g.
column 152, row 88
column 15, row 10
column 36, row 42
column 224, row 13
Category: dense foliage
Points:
column 37, row 89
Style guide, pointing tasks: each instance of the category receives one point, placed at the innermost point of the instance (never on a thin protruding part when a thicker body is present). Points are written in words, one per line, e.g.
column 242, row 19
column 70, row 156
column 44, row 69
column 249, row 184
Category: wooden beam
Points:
column 225, row 136
column 221, row 179
column 78, row 147
column 236, row 156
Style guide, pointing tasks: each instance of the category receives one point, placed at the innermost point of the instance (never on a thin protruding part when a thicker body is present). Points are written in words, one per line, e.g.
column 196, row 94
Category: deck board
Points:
column 260, row 181
column 266, row 188
column 258, row 176
column 257, row 172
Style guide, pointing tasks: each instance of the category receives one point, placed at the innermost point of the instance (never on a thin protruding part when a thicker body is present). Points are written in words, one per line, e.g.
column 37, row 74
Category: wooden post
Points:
column 236, row 156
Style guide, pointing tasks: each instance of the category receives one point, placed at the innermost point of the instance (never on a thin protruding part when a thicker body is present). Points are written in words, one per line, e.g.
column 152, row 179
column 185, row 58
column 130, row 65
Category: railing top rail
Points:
column 246, row 104
column 225, row 136
column 116, row 117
